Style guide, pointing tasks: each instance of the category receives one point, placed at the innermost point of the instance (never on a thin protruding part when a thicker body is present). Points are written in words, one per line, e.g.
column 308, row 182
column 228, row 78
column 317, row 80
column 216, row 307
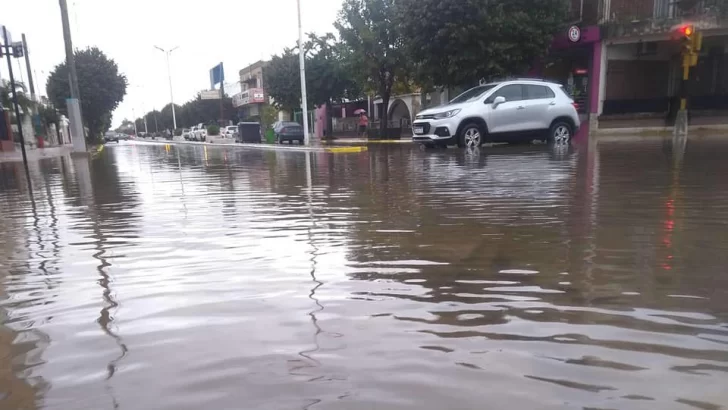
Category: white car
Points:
column 229, row 131
column 198, row 133
column 508, row 111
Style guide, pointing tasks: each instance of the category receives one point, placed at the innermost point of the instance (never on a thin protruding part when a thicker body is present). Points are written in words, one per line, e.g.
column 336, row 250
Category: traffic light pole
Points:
column 690, row 51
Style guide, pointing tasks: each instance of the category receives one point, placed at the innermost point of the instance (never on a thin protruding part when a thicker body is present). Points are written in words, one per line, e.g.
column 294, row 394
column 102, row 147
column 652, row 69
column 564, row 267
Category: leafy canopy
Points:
column 460, row 42
column 283, row 80
column 101, row 88
column 371, row 34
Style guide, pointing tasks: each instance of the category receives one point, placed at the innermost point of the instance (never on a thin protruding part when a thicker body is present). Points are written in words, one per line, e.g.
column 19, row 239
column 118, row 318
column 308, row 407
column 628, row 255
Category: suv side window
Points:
column 538, row 92
column 512, row 92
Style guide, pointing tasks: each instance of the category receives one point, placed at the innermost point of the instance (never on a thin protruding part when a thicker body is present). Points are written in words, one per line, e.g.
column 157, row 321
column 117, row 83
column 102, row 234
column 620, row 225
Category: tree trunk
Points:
column 384, row 118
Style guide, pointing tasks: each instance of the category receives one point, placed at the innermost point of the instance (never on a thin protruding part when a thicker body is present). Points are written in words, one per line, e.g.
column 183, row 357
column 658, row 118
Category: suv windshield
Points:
column 472, row 93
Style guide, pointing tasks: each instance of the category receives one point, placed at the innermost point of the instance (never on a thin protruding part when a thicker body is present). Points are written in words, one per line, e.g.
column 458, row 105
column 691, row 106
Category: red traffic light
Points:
column 686, row 30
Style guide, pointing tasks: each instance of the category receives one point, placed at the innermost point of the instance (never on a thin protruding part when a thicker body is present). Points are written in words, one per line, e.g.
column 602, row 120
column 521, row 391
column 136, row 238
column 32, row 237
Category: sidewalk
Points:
column 36, row 153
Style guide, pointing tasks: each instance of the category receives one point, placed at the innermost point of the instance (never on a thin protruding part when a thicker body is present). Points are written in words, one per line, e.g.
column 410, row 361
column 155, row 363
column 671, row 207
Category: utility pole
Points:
column 169, row 76
column 222, row 100
column 133, row 115
column 27, row 67
column 7, row 51
column 302, row 64
column 74, row 105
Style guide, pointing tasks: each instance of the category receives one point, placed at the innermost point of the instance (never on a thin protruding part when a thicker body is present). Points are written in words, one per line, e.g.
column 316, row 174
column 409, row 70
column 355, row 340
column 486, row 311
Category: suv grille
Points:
column 425, row 127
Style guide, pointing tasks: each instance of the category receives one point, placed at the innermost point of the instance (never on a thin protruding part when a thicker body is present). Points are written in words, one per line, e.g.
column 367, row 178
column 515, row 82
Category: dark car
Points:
column 111, row 137
column 288, row 131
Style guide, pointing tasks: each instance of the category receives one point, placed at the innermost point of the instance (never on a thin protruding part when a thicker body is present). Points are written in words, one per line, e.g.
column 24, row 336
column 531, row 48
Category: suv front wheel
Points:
column 560, row 133
column 471, row 136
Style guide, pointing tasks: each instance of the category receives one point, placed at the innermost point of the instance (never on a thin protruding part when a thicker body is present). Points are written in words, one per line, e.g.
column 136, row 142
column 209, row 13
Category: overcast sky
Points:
column 236, row 32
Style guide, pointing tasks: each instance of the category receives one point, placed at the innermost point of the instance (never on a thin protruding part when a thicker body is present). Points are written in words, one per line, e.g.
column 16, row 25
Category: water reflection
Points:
column 174, row 277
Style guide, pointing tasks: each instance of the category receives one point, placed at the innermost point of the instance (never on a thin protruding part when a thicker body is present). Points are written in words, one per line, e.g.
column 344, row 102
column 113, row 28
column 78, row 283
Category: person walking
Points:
column 363, row 123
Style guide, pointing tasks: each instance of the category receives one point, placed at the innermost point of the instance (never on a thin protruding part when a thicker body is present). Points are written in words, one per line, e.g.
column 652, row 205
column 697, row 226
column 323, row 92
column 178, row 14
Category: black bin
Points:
column 249, row 132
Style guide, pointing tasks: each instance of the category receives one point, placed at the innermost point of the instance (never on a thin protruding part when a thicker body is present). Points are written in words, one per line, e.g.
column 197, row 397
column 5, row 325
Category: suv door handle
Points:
column 552, row 103
column 520, row 107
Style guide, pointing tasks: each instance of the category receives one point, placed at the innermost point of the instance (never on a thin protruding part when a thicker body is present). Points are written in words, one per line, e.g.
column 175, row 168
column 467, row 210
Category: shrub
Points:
column 213, row 129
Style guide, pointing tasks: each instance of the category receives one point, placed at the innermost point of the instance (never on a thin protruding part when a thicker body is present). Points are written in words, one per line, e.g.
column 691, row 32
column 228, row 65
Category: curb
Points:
column 264, row 147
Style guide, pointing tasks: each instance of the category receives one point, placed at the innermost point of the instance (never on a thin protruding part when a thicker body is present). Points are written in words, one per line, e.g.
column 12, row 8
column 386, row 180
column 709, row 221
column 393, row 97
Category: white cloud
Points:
column 235, row 32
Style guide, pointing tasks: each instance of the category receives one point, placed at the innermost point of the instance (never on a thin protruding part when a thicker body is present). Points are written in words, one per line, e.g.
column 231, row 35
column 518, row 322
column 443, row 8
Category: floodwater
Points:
column 165, row 277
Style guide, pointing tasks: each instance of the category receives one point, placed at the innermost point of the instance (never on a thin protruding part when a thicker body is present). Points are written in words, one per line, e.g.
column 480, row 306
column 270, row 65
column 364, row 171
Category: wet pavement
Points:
column 191, row 277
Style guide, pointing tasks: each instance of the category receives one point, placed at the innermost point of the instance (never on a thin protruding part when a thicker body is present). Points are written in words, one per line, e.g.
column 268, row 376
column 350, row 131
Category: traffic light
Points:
column 17, row 50
column 691, row 41
column 686, row 31
column 684, row 34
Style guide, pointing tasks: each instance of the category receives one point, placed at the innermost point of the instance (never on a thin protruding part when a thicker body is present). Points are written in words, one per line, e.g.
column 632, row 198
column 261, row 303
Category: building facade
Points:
column 621, row 62
column 250, row 100
column 644, row 65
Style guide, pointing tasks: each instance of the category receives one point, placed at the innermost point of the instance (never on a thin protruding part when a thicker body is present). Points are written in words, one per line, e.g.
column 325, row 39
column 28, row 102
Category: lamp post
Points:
column 169, row 75
column 302, row 64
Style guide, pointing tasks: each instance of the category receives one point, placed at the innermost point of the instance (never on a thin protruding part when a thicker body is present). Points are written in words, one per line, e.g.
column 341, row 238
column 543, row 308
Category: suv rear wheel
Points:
column 471, row 136
column 560, row 133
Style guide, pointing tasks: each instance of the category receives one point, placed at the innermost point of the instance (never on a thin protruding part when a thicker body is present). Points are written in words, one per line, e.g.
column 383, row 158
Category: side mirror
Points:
column 498, row 101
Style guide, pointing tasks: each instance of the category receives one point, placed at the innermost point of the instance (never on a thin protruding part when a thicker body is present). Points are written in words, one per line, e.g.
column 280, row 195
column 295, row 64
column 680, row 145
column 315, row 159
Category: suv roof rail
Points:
column 504, row 79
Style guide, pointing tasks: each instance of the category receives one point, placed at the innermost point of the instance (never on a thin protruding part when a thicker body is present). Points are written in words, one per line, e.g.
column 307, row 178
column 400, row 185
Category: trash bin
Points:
column 249, row 132
column 41, row 141
column 270, row 136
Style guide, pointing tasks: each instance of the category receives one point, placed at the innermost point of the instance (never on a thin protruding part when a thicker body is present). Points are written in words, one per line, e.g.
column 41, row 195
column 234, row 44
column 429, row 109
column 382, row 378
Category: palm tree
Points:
column 6, row 97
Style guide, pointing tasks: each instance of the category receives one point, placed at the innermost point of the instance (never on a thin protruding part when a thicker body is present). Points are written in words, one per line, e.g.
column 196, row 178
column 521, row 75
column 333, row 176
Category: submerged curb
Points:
column 265, row 147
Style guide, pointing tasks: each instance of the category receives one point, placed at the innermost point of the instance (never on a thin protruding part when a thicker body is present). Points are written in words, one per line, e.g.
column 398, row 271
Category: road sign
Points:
column 574, row 34
column 210, row 95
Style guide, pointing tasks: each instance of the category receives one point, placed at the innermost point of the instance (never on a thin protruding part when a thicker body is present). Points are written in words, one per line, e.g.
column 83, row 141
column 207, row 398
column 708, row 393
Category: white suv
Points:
column 509, row 111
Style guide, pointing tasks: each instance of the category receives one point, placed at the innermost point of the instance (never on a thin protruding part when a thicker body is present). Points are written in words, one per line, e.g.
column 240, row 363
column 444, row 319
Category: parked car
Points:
column 230, row 131
column 198, row 133
column 186, row 134
column 288, row 131
column 508, row 111
column 111, row 137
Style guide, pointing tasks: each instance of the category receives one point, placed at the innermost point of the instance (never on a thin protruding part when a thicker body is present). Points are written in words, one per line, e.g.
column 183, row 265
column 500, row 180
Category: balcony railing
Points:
column 627, row 11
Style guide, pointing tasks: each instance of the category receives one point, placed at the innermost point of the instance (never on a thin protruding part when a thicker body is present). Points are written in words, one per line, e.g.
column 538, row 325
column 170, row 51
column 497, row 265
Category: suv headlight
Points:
column 446, row 114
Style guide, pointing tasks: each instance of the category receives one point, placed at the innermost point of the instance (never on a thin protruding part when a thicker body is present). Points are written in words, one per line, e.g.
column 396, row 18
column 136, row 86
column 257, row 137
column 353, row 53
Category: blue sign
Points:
column 217, row 75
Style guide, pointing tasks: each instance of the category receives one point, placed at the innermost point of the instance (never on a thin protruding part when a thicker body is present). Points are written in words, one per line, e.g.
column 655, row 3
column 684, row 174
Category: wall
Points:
column 664, row 52
column 631, row 9
column 637, row 79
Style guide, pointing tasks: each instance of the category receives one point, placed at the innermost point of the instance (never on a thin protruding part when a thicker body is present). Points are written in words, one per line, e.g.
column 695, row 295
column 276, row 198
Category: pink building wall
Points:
column 319, row 125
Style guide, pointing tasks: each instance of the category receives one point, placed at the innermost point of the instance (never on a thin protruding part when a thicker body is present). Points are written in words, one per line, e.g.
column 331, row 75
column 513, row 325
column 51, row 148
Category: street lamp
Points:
column 302, row 64
column 169, row 75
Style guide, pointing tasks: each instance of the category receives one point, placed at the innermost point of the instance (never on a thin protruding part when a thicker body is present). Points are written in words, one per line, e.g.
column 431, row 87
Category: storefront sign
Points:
column 574, row 34
column 249, row 96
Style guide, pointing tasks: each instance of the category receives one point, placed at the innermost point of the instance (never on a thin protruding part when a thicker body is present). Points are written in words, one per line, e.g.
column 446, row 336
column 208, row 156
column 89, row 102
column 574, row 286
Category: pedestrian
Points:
column 363, row 124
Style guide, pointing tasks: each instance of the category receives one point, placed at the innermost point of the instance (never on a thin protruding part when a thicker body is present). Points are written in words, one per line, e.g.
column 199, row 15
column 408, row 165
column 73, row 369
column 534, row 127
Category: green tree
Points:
column 371, row 32
column 460, row 42
column 100, row 84
column 283, row 80
column 328, row 79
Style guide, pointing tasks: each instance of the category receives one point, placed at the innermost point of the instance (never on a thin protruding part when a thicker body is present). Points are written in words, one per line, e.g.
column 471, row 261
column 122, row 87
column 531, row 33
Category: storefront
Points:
column 575, row 60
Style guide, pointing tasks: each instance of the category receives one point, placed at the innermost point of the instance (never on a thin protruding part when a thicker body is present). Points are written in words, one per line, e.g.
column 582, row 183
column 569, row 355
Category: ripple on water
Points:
column 166, row 277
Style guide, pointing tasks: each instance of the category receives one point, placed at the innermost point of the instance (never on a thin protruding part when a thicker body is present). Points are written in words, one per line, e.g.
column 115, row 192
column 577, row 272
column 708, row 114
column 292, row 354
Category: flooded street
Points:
column 185, row 277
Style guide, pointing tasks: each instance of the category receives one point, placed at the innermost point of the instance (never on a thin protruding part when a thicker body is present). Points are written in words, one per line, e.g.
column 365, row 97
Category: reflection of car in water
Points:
column 536, row 172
